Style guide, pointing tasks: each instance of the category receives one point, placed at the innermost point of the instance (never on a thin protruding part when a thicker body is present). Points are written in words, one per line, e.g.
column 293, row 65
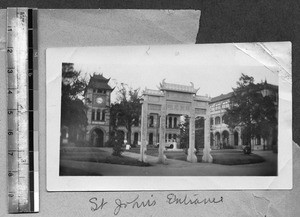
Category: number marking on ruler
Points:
column 21, row 192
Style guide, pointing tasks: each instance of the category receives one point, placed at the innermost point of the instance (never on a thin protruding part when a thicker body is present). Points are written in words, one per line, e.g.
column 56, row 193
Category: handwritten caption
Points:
column 137, row 202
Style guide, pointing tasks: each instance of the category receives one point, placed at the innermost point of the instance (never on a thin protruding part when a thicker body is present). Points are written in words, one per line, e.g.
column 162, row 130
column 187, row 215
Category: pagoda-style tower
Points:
column 97, row 99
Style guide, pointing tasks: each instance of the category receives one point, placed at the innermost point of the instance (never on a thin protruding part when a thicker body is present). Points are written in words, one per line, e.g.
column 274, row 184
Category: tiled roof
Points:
column 99, row 77
column 99, row 82
column 221, row 97
column 178, row 87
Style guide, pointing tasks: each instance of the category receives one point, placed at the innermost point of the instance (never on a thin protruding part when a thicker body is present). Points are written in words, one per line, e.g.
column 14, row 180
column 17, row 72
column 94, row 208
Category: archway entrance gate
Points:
column 175, row 99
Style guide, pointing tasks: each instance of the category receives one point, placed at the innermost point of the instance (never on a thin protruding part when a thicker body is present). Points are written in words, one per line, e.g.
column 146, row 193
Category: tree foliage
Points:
column 73, row 110
column 184, row 133
column 252, row 108
column 127, row 110
column 117, row 141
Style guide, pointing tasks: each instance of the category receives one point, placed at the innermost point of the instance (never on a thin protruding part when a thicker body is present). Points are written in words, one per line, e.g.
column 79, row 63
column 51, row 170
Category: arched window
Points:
column 217, row 120
column 236, row 138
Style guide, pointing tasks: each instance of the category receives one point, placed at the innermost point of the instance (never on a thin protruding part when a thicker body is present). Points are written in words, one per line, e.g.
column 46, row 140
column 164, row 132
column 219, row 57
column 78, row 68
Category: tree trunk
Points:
column 129, row 134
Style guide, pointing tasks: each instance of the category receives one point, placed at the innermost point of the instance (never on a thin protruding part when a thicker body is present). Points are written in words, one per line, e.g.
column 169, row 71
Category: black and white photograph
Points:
column 171, row 111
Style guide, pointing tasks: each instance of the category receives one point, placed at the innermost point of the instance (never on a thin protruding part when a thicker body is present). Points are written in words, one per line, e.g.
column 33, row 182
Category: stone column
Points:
column 162, row 131
column 207, row 158
column 191, row 151
column 144, row 119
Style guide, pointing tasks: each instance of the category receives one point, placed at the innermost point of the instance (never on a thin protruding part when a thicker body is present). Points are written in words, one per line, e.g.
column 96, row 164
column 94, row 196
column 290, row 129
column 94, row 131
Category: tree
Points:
column 127, row 110
column 73, row 110
column 185, row 129
column 117, row 141
column 253, row 109
column 184, row 132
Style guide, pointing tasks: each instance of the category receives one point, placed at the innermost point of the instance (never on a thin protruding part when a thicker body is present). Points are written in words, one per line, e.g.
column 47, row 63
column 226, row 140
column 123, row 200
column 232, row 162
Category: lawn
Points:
column 238, row 158
column 90, row 154
column 68, row 171
column 95, row 155
column 224, row 157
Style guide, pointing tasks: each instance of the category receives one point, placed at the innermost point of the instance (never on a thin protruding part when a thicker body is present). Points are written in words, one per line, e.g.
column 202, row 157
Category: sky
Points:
column 213, row 68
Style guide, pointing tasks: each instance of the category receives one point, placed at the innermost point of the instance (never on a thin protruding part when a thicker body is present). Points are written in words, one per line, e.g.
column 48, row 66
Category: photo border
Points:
column 54, row 59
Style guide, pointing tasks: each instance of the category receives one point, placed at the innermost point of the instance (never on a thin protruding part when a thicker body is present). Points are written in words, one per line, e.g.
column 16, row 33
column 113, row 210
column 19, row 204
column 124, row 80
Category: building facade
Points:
column 98, row 101
column 223, row 137
column 220, row 134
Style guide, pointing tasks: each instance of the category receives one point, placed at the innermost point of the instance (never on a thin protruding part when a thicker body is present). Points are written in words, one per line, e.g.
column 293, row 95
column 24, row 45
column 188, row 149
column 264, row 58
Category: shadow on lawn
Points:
column 223, row 158
column 227, row 157
column 100, row 157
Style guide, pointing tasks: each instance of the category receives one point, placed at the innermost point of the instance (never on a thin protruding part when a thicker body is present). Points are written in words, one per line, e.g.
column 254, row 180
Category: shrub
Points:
column 247, row 150
column 117, row 143
column 117, row 149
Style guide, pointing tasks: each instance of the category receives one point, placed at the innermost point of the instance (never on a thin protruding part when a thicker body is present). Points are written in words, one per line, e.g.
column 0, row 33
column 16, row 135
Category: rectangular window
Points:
column 98, row 114
column 93, row 114
column 103, row 116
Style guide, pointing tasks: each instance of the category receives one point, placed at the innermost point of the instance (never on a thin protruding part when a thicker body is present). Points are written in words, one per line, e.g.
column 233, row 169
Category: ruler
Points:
column 22, row 111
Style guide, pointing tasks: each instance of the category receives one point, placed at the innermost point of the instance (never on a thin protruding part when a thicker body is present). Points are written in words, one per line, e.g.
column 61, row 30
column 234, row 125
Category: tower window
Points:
column 98, row 115
column 93, row 114
column 103, row 116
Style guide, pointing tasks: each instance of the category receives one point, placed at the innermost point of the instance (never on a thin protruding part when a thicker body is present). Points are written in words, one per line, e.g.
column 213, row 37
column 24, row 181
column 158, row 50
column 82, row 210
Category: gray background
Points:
column 236, row 203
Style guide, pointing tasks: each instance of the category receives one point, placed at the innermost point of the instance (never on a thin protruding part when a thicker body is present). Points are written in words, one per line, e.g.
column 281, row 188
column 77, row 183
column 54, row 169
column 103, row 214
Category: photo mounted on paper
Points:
column 202, row 111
